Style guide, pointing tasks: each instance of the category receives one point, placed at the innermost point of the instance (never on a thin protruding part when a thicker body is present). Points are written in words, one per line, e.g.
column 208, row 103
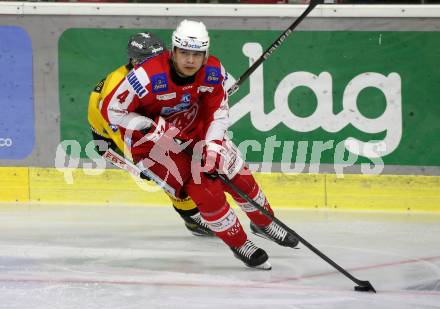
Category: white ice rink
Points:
column 143, row 257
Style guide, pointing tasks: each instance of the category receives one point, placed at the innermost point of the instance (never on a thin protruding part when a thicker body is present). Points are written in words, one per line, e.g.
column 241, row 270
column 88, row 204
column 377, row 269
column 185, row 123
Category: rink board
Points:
column 324, row 191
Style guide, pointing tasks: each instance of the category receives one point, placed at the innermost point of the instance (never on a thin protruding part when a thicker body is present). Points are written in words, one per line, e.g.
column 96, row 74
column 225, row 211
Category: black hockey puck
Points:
column 362, row 288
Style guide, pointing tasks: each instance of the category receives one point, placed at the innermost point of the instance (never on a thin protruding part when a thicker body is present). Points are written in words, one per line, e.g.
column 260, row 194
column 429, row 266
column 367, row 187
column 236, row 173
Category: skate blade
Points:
column 202, row 234
column 265, row 266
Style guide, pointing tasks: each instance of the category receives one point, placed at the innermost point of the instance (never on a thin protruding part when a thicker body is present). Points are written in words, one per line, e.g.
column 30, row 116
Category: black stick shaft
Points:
column 273, row 47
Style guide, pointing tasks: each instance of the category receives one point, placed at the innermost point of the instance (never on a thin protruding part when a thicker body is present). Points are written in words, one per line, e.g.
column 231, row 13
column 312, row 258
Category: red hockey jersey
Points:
column 199, row 109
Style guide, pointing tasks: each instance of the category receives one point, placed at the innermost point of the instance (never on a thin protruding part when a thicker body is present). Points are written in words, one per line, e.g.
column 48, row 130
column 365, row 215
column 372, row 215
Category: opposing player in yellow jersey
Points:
column 141, row 47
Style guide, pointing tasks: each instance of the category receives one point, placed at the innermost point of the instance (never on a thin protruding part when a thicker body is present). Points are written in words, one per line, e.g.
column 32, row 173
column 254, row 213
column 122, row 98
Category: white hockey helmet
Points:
column 191, row 35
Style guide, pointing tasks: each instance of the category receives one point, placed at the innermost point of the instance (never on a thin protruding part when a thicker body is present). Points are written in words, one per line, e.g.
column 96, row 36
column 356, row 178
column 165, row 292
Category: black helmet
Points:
column 142, row 46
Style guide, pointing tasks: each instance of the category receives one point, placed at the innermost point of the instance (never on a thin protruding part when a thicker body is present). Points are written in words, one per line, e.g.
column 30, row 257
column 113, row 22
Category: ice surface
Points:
column 143, row 257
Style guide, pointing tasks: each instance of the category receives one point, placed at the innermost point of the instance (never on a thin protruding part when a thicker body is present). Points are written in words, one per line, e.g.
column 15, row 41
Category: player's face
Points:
column 188, row 62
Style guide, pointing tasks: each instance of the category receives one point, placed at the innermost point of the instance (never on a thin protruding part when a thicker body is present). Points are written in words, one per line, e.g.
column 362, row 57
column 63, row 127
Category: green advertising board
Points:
column 320, row 97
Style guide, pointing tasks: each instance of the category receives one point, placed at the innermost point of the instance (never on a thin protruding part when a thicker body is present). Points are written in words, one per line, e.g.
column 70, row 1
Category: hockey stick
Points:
column 273, row 47
column 362, row 286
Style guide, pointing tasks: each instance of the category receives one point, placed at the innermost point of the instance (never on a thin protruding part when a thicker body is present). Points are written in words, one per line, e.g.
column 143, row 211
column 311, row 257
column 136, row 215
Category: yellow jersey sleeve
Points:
column 94, row 116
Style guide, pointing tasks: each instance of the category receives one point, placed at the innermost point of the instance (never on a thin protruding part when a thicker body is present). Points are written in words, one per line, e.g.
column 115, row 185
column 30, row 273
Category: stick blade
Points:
column 364, row 286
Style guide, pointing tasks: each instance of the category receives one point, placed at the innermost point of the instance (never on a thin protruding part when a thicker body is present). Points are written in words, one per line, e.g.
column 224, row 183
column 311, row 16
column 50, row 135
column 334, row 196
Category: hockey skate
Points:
column 197, row 226
column 275, row 233
column 252, row 256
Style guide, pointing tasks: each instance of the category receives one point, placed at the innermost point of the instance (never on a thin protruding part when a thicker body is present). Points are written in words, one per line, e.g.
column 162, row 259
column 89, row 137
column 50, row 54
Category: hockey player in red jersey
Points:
column 140, row 47
column 181, row 96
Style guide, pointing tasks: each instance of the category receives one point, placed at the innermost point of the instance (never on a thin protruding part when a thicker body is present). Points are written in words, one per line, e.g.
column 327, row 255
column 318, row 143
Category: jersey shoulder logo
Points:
column 212, row 75
column 159, row 82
